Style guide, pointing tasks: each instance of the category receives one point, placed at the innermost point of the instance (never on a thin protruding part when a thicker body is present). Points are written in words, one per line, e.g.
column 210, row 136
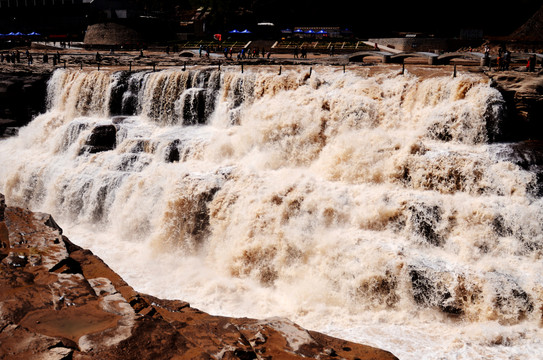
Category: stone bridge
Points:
column 432, row 58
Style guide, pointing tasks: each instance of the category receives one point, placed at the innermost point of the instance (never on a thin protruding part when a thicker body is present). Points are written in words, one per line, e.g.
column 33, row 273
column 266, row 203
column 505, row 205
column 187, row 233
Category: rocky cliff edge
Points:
column 59, row 301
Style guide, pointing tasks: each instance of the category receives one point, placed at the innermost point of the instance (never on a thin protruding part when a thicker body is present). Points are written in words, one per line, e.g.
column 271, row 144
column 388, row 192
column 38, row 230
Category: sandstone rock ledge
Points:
column 59, row 301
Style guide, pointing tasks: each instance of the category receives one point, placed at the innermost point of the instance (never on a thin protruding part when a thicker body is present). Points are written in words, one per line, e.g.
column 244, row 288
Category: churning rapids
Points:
column 377, row 208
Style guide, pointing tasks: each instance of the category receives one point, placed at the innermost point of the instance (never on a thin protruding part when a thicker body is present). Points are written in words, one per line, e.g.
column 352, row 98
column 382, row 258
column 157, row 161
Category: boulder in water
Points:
column 118, row 119
column 102, row 138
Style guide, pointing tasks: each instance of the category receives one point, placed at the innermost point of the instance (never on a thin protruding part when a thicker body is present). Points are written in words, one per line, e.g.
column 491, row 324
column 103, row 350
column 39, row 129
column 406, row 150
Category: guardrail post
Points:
column 280, row 68
column 130, row 66
column 454, row 72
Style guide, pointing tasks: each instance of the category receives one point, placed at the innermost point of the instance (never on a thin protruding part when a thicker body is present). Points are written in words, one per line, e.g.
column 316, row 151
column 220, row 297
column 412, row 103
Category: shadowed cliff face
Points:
column 22, row 96
column 60, row 301
column 523, row 93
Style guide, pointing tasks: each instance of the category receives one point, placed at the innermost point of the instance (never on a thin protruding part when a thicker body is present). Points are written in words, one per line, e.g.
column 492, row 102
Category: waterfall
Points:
column 379, row 208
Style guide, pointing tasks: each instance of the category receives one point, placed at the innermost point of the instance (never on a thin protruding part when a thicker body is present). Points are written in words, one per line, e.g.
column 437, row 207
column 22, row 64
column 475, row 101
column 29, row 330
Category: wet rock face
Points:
column 523, row 95
column 2, row 206
column 22, row 96
column 529, row 156
column 59, row 301
column 102, row 138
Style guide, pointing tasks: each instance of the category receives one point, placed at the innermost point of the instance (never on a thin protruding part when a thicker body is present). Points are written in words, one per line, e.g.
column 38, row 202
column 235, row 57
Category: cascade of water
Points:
column 335, row 200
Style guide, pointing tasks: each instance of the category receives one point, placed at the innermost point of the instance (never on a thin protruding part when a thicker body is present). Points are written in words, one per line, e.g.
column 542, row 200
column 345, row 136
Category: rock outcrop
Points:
column 523, row 94
column 59, row 301
column 22, row 96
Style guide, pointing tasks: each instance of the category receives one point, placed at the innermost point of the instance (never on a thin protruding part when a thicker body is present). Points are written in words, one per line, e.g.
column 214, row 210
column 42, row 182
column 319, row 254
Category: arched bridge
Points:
column 433, row 59
column 359, row 56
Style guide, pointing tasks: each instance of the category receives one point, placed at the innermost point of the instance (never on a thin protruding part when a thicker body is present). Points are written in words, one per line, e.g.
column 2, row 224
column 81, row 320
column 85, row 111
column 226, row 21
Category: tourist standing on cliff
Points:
column 506, row 59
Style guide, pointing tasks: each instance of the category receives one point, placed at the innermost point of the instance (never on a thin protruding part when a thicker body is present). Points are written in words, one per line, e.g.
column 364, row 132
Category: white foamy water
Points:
column 373, row 208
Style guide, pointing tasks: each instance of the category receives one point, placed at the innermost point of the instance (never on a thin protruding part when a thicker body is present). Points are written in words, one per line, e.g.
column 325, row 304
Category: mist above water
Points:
column 375, row 208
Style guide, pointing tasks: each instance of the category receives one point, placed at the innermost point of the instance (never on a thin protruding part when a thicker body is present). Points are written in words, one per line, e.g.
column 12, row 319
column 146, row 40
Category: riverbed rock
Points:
column 523, row 94
column 102, row 138
column 60, row 301
column 22, row 97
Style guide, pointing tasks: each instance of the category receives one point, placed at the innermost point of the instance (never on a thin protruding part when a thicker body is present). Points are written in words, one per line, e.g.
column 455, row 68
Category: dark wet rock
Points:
column 500, row 227
column 172, row 151
column 132, row 162
column 48, row 220
column 16, row 260
column 2, row 206
column 529, row 156
column 437, row 288
column 424, row 221
column 456, row 293
column 194, row 107
column 511, row 301
column 522, row 93
column 22, row 97
column 118, row 119
column 526, row 154
column 102, row 138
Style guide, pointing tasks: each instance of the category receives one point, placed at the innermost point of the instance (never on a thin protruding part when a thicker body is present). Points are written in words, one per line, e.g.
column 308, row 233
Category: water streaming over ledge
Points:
column 375, row 208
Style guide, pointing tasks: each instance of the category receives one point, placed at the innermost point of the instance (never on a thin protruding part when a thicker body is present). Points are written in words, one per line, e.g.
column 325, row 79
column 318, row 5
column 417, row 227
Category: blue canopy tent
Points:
column 33, row 33
column 310, row 31
column 322, row 32
column 233, row 31
column 298, row 31
column 245, row 32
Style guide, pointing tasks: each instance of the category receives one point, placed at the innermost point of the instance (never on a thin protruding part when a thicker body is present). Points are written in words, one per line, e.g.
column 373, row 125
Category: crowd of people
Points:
column 14, row 57
column 502, row 60
column 243, row 53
